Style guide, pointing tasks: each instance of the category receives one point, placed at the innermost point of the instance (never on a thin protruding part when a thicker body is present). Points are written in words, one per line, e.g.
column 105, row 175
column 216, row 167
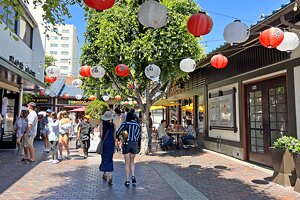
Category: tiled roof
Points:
column 59, row 88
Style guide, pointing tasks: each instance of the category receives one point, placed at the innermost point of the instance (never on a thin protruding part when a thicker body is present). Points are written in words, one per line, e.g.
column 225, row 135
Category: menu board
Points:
column 221, row 111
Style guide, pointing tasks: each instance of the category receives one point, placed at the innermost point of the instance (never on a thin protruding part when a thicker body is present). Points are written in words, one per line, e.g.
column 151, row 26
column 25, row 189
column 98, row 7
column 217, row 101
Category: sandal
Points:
column 104, row 177
column 133, row 180
column 127, row 183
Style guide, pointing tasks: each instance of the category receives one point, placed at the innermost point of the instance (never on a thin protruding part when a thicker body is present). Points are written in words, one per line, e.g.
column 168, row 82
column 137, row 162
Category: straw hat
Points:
column 107, row 116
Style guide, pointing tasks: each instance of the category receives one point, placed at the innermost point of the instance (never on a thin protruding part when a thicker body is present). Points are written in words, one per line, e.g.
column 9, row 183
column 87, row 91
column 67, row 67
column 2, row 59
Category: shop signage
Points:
column 41, row 100
column 21, row 65
column 75, row 102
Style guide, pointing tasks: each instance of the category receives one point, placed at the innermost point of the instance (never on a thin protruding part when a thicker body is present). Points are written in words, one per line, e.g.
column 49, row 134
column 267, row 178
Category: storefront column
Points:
column 195, row 111
column 20, row 100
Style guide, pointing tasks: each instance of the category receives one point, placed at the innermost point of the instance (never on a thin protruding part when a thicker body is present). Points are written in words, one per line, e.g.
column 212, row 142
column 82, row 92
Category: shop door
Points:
column 266, row 117
column 10, row 106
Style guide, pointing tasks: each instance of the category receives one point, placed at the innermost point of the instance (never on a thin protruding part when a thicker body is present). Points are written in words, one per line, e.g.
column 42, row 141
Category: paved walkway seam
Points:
column 185, row 190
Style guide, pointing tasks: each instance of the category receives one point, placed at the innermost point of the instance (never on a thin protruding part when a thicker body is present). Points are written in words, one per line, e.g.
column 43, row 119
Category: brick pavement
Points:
column 212, row 175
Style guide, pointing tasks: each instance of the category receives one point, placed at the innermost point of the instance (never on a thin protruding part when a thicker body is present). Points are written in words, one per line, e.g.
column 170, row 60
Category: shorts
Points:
column 28, row 141
column 130, row 147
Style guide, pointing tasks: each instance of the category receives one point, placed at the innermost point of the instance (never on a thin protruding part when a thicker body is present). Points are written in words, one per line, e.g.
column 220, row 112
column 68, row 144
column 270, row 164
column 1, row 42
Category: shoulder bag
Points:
column 99, row 149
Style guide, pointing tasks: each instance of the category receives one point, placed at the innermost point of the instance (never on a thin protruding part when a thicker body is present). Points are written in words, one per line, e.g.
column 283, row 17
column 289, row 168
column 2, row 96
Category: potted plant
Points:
column 297, row 166
column 283, row 162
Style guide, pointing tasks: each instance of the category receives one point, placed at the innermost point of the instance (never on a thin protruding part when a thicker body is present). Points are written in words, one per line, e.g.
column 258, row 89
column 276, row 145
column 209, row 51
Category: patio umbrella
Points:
column 156, row 107
column 80, row 109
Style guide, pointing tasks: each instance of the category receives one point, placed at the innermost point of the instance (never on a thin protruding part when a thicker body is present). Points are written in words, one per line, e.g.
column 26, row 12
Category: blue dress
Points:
column 107, row 164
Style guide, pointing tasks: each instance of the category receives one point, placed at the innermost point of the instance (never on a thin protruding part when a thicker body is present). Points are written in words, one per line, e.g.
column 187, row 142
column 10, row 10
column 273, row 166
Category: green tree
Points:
column 115, row 36
column 96, row 108
column 49, row 60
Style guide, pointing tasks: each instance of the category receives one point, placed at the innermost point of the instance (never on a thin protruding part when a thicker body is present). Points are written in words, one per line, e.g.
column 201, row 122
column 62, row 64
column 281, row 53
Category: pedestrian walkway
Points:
column 177, row 174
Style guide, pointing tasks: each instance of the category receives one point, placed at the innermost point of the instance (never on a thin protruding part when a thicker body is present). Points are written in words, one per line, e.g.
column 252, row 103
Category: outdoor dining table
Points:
column 177, row 134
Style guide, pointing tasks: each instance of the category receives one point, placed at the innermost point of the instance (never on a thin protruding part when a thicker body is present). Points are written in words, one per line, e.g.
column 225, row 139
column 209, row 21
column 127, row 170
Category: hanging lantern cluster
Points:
column 77, row 83
column 219, row 61
column 97, row 72
column 78, row 96
column 99, row 4
column 122, row 70
column 152, row 71
column 188, row 65
column 289, row 42
column 199, row 24
column 236, row 32
column 271, row 37
column 153, row 14
column 85, row 71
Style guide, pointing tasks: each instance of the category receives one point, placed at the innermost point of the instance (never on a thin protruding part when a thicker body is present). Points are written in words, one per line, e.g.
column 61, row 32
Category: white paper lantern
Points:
column 105, row 97
column 188, row 65
column 97, row 72
column 289, row 43
column 47, row 91
column 236, row 32
column 153, row 14
column 77, row 82
column 53, row 71
column 52, row 94
column 152, row 71
column 78, row 96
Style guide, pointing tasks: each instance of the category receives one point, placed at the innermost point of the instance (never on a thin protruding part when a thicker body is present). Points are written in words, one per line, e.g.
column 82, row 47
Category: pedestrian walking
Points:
column 108, row 136
column 30, row 133
column 64, row 130
column 44, row 130
column 130, row 145
column 83, row 134
column 53, row 125
column 19, row 128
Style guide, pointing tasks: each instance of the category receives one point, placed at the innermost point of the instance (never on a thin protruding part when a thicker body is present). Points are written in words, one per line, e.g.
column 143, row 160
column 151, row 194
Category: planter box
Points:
column 283, row 166
column 297, row 167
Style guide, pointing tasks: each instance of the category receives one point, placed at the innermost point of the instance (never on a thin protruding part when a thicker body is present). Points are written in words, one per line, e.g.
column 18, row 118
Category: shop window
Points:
column 200, row 112
column 187, row 110
column 25, row 32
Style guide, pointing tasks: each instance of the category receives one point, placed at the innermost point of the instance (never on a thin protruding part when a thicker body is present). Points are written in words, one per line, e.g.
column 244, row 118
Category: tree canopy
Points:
column 115, row 36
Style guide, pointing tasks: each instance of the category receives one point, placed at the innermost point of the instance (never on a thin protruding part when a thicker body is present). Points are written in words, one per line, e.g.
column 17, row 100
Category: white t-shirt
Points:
column 161, row 131
column 53, row 130
column 33, row 120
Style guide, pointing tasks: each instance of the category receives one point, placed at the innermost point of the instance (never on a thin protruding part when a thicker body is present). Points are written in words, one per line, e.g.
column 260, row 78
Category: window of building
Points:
column 53, row 52
column 64, row 68
column 9, row 18
column 65, row 53
column 64, row 60
column 64, row 38
column 65, row 31
column 25, row 32
column 54, row 38
column 53, row 45
column 64, row 45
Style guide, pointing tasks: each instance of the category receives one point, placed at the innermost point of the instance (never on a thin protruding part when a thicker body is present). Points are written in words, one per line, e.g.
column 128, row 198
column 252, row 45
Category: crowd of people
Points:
column 117, row 130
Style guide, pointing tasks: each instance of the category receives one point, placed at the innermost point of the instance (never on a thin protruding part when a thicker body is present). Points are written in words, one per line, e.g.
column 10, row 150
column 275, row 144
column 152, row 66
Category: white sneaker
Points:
column 45, row 150
column 185, row 146
column 60, row 157
column 55, row 161
column 49, row 161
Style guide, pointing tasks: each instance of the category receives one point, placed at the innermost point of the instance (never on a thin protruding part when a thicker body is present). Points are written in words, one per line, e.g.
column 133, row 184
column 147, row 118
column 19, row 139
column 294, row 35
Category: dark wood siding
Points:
column 250, row 59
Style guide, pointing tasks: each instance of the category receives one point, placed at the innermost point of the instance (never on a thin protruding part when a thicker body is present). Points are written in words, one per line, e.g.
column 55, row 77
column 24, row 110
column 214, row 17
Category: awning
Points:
column 14, row 76
column 81, row 109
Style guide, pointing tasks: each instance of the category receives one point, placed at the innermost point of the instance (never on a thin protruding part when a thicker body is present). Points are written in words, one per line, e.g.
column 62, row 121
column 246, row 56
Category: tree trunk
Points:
column 145, row 130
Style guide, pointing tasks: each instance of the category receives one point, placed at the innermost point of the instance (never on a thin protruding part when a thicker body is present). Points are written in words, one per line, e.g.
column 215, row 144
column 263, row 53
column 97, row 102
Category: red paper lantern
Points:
column 99, row 4
column 122, row 70
column 42, row 93
column 271, row 38
column 130, row 86
column 85, row 71
column 199, row 24
column 219, row 61
column 118, row 97
column 126, row 102
column 92, row 98
column 50, row 79
column 65, row 96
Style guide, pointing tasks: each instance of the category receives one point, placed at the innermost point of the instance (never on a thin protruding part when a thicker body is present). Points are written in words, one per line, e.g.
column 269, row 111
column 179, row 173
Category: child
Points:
column 53, row 126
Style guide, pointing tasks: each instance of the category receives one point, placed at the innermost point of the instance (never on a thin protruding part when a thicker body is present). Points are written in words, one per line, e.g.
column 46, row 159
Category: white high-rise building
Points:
column 62, row 44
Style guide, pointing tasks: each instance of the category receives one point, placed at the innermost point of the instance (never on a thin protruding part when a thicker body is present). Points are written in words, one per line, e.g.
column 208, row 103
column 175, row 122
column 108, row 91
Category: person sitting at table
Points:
column 190, row 133
column 162, row 134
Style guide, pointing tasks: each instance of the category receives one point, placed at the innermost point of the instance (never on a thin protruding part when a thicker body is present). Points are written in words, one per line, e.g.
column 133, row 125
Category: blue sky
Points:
column 249, row 10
